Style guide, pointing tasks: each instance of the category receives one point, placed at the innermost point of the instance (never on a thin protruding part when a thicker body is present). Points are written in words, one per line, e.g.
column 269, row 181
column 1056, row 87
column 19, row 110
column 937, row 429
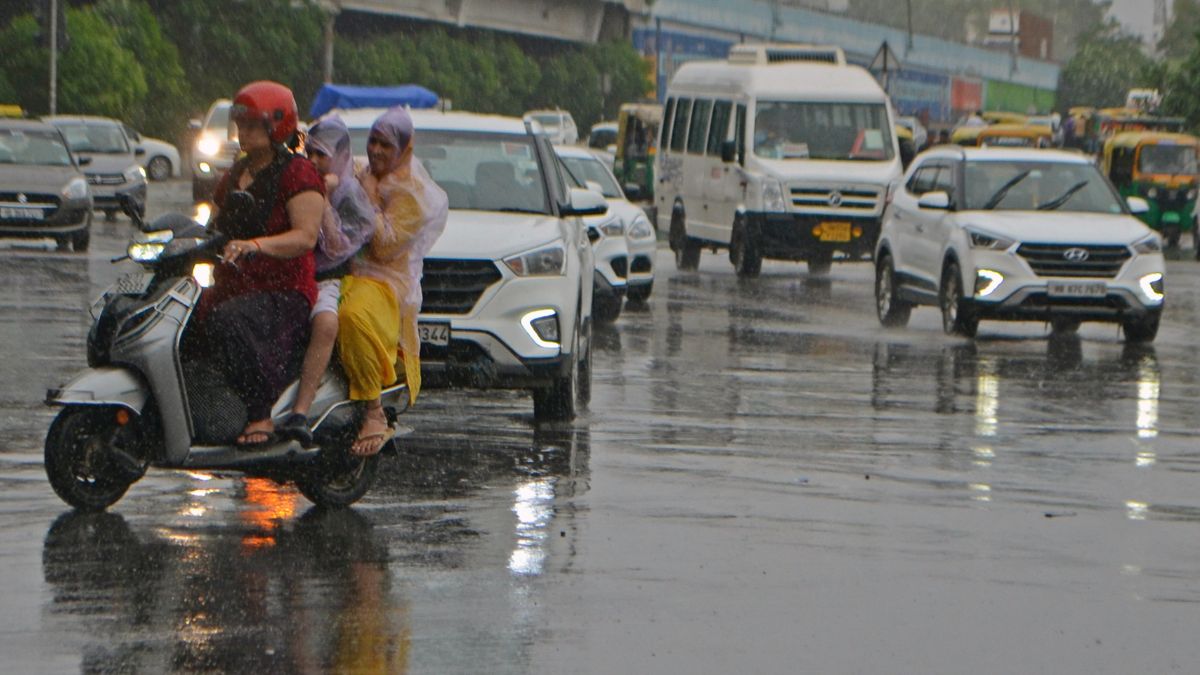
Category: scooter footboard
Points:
column 395, row 396
column 107, row 385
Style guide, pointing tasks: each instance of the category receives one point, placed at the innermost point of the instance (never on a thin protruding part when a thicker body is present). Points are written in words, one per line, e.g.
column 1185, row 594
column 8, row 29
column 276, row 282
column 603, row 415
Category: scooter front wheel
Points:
column 337, row 480
column 80, row 470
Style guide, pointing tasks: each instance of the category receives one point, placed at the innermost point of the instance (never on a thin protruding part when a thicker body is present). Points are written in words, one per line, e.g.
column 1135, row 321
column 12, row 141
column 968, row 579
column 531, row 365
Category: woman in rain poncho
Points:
column 381, row 298
column 347, row 224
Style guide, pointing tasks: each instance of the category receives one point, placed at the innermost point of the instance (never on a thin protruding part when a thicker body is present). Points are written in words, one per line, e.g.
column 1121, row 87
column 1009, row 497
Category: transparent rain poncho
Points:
column 413, row 211
column 349, row 218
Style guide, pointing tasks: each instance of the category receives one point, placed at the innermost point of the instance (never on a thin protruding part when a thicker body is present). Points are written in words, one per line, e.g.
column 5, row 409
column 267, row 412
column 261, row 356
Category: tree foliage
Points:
column 1107, row 64
column 1179, row 38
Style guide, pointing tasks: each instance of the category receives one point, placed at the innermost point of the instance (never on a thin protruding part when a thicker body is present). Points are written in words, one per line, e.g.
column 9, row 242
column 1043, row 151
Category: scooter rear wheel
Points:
column 336, row 479
column 79, row 470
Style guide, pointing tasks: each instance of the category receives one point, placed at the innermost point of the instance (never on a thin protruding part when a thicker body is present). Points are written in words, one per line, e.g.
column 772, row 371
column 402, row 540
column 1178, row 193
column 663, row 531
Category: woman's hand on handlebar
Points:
column 240, row 248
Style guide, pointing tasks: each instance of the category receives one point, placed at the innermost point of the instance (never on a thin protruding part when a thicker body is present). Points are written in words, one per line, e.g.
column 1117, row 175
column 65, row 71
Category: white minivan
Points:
column 781, row 152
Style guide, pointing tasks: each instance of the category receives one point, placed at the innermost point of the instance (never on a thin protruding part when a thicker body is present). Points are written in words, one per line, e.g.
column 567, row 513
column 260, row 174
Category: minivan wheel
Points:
column 744, row 251
column 893, row 312
column 957, row 318
column 686, row 249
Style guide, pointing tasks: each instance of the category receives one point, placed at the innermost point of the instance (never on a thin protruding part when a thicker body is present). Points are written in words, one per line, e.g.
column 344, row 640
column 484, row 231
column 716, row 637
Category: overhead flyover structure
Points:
column 938, row 80
column 584, row 21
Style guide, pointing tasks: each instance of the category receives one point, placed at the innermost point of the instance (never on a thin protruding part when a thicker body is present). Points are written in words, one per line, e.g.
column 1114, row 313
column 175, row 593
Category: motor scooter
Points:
column 148, row 399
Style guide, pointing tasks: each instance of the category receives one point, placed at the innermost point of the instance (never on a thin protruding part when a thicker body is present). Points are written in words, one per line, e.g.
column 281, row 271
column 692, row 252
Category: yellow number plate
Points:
column 835, row 231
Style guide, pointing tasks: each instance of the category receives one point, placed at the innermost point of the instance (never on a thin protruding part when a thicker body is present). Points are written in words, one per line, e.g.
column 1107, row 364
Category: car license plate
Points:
column 15, row 213
column 835, row 231
column 437, row 334
column 1076, row 289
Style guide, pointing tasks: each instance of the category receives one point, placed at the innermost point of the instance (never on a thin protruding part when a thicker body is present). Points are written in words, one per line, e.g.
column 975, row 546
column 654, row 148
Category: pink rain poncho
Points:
column 382, row 296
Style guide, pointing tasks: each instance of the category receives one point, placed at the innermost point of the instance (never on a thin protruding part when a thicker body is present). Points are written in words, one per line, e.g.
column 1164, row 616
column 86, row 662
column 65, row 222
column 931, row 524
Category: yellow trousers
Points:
column 373, row 329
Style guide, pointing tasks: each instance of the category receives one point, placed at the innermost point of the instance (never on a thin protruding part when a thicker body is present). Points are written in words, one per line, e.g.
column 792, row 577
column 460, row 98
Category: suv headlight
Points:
column 135, row 174
column 772, row 196
column 612, row 228
column 546, row 261
column 989, row 241
column 208, row 145
column 640, row 229
column 76, row 188
column 1151, row 244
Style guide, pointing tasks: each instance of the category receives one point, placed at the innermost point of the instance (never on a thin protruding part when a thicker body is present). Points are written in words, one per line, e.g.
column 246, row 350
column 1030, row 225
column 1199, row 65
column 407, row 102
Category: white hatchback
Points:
column 1017, row 235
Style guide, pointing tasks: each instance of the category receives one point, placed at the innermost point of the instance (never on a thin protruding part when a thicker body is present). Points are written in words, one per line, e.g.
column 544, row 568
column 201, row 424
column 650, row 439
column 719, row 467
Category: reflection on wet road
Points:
column 766, row 482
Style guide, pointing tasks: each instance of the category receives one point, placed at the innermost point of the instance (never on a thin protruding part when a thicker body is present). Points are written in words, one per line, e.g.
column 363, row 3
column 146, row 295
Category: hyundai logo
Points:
column 835, row 199
column 22, row 198
column 1075, row 255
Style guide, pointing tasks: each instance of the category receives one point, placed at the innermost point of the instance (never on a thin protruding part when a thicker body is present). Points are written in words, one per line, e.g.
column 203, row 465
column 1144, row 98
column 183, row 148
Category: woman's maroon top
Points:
column 261, row 272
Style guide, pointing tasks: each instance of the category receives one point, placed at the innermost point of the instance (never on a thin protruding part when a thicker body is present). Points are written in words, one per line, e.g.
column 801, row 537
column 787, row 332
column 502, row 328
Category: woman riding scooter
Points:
column 256, row 314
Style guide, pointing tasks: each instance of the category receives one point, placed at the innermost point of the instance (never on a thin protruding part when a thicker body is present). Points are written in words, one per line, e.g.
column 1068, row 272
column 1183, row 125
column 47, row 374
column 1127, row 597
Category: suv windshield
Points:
column 1167, row 159
column 103, row 138
column 484, row 171
column 1059, row 186
column 794, row 130
column 33, row 146
column 584, row 170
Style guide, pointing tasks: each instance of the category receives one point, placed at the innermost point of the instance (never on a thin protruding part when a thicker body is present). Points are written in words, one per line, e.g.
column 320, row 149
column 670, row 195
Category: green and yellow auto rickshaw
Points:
column 637, row 139
column 1160, row 167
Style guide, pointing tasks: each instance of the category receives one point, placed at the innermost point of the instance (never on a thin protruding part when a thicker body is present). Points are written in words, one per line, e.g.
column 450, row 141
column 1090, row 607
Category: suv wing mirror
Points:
column 939, row 201
column 633, row 191
column 583, row 202
column 1137, row 205
column 83, row 161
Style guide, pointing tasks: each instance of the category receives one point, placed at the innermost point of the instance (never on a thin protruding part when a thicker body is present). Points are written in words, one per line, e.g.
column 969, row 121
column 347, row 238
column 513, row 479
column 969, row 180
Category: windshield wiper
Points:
column 514, row 209
column 998, row 196
column 1063, row 198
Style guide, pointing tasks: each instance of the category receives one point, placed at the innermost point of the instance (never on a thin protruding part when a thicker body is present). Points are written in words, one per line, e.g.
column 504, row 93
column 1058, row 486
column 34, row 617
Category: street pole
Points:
column 53, row 57
column 1012, row 39
column 909, row 44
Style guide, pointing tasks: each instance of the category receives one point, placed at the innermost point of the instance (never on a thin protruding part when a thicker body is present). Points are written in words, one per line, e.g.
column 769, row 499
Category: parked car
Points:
column 114, row 167
column 160, row 159
column 214, row 150
column 43, row 191
column 558, row 125
column 508, row 286
column 1017, row 235
column 632, row 261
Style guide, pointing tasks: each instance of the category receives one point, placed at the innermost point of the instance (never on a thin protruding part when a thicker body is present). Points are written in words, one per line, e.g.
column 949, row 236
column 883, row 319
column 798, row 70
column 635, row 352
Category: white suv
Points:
column 1017, row 235
column 508, row 286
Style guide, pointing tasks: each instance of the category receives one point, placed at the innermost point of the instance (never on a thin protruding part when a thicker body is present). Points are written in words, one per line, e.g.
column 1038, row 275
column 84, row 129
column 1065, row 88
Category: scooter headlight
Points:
column 144, row 252
column 203, row 274
column 202, row 213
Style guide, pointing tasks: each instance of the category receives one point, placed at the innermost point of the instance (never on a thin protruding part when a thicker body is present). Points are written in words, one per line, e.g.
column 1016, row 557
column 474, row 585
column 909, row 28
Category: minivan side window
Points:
column 739, row 131
column 665, row 132
column 696, row 135
column 679, row 128
column 718, row 129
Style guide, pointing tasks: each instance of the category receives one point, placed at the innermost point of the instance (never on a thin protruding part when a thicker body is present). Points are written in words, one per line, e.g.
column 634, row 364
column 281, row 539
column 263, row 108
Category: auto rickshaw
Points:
column 1004, row 136
column 11, row 110
column 637, row 139
column 1160, row 167
column 1002, row 117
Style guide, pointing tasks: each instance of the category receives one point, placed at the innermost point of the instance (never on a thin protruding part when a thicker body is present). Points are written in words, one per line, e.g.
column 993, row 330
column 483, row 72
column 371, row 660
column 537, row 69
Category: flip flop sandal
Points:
column 383, row 438
column 270, row 439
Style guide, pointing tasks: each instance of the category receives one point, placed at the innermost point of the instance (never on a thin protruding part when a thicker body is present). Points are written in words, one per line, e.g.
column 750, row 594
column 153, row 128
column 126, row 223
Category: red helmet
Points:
column 270, row 102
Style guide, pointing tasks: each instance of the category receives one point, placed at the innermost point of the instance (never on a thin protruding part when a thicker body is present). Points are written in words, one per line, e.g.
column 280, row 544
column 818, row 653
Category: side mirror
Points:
column 939, row 201
column 633, row 191
column 138, row 152
column 585, row 203
column 728, row 151
column 194, row 124
column 1137, row 205
column 83, row 161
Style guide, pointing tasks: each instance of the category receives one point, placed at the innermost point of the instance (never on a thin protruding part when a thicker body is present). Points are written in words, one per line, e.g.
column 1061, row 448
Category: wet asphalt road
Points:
column 767, row 481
